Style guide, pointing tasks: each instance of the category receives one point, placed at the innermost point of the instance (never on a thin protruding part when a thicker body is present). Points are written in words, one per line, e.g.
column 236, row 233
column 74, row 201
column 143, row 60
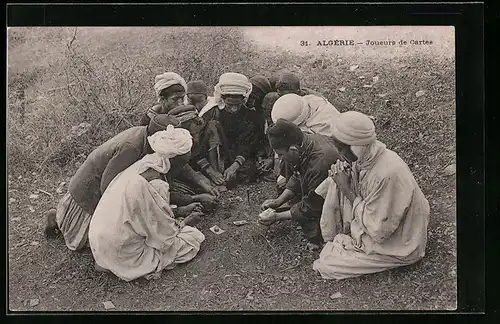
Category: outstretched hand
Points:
column 215, row 176
column 230, row 173
column 193, row 219
column 206, row 200
column 268, row 218
column 270, row 203
column 184, row 211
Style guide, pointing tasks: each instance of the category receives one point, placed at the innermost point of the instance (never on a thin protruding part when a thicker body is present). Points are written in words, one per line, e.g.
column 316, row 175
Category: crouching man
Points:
column 374, row 216
column 311, row 156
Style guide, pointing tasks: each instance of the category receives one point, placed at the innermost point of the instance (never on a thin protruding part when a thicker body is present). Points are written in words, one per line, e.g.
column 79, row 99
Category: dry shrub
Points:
column 110, row 92
column 110, row 85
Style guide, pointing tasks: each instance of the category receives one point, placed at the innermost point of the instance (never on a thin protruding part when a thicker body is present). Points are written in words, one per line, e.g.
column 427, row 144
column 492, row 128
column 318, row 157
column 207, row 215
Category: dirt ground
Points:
column 236, row 270
column 240, row 270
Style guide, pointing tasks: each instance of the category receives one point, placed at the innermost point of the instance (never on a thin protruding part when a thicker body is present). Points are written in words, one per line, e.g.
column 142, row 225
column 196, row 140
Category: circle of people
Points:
column 138, row 197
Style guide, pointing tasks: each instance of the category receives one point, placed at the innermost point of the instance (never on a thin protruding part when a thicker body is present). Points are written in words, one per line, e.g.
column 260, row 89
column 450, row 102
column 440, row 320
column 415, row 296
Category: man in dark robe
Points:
column 310, row 156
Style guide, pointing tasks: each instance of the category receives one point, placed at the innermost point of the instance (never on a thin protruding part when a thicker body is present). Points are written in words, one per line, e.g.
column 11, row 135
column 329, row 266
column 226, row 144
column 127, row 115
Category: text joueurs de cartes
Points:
column 368, row 42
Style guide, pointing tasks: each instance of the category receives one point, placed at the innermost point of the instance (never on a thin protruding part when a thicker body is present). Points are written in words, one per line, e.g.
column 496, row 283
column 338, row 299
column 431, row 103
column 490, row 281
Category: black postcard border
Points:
column 469, row 29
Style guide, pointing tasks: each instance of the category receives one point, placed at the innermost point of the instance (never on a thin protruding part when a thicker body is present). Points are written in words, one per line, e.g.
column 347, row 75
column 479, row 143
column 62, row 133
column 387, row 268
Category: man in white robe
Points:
column 133, row 232
column 375, row 216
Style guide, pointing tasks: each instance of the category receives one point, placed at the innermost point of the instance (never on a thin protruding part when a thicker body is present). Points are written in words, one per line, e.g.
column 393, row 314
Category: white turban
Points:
column 171, row 142
column 232, row 83
column 165, row 80
column 292, row 108
column 229, row 83
column 354, row 128
column 154, row 161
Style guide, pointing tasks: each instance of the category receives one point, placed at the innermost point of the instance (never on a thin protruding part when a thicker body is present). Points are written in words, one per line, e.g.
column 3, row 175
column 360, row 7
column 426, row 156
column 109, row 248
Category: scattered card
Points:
column 217, row 230
column 108, row 305
column 221, row 188
column 240, row 222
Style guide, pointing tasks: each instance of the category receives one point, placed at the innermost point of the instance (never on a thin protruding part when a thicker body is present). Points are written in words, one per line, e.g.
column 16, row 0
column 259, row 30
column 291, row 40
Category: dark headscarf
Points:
column 197, row 87
column 289, row 82
column 261, row 83
column 269, row 100
column 284, row 134
column 272, row 81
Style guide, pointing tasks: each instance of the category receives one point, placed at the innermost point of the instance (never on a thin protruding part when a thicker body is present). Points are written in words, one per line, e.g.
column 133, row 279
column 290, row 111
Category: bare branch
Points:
column 72, row 39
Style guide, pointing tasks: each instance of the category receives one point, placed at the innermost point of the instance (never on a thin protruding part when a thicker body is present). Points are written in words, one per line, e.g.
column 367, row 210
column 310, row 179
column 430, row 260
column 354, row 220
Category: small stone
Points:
column 59, row 189
column 353, row 67
column 375, row 79
column 450, row 169
column 419, row 93
column 20, row 177
column 249, row 295
column 362, row 77
column 31, row 209
column 367, row 86
column 420, row 135
column 33, row 173
column 342, row 89
column 339, row 60
column 34, row 196
column 34, row 302
column 16, row 219
column 35, row 243
column 382, row 95
column 12, row 200
column 336, row 295
column 108, row 305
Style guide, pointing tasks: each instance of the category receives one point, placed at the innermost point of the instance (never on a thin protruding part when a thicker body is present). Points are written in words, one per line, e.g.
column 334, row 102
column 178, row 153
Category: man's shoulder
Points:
column 320, row 139
column 323, row 145
column 133, row 136
column 390, row 165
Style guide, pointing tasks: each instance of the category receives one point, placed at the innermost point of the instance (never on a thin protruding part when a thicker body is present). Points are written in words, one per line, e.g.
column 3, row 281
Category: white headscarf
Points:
column 167, row 79
column 171, row 142
column 292, row 108
column 229, row 83
column 354, row 128
column 154, row 161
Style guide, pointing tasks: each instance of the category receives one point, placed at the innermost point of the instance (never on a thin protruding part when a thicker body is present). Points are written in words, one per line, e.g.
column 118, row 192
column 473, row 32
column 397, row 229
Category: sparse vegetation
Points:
column 71, row 89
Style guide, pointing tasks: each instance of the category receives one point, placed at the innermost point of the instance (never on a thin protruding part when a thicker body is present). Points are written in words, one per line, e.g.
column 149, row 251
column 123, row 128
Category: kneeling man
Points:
column 374, row 216
column 310, row 156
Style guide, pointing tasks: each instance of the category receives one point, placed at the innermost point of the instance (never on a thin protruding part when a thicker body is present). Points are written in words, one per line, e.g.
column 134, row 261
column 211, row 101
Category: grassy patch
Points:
column 107, row 83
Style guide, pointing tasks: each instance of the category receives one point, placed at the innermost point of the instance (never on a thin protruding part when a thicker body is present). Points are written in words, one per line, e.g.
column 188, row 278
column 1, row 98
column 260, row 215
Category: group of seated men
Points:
column 352, row 196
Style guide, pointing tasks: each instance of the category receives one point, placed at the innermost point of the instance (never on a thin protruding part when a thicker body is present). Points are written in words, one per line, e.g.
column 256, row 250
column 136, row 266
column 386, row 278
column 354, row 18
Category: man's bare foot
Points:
column 313, row 247
column 51, row 229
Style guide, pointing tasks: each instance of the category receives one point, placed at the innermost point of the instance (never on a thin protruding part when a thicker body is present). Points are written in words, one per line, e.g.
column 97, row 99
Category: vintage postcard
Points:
column 345, row 134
